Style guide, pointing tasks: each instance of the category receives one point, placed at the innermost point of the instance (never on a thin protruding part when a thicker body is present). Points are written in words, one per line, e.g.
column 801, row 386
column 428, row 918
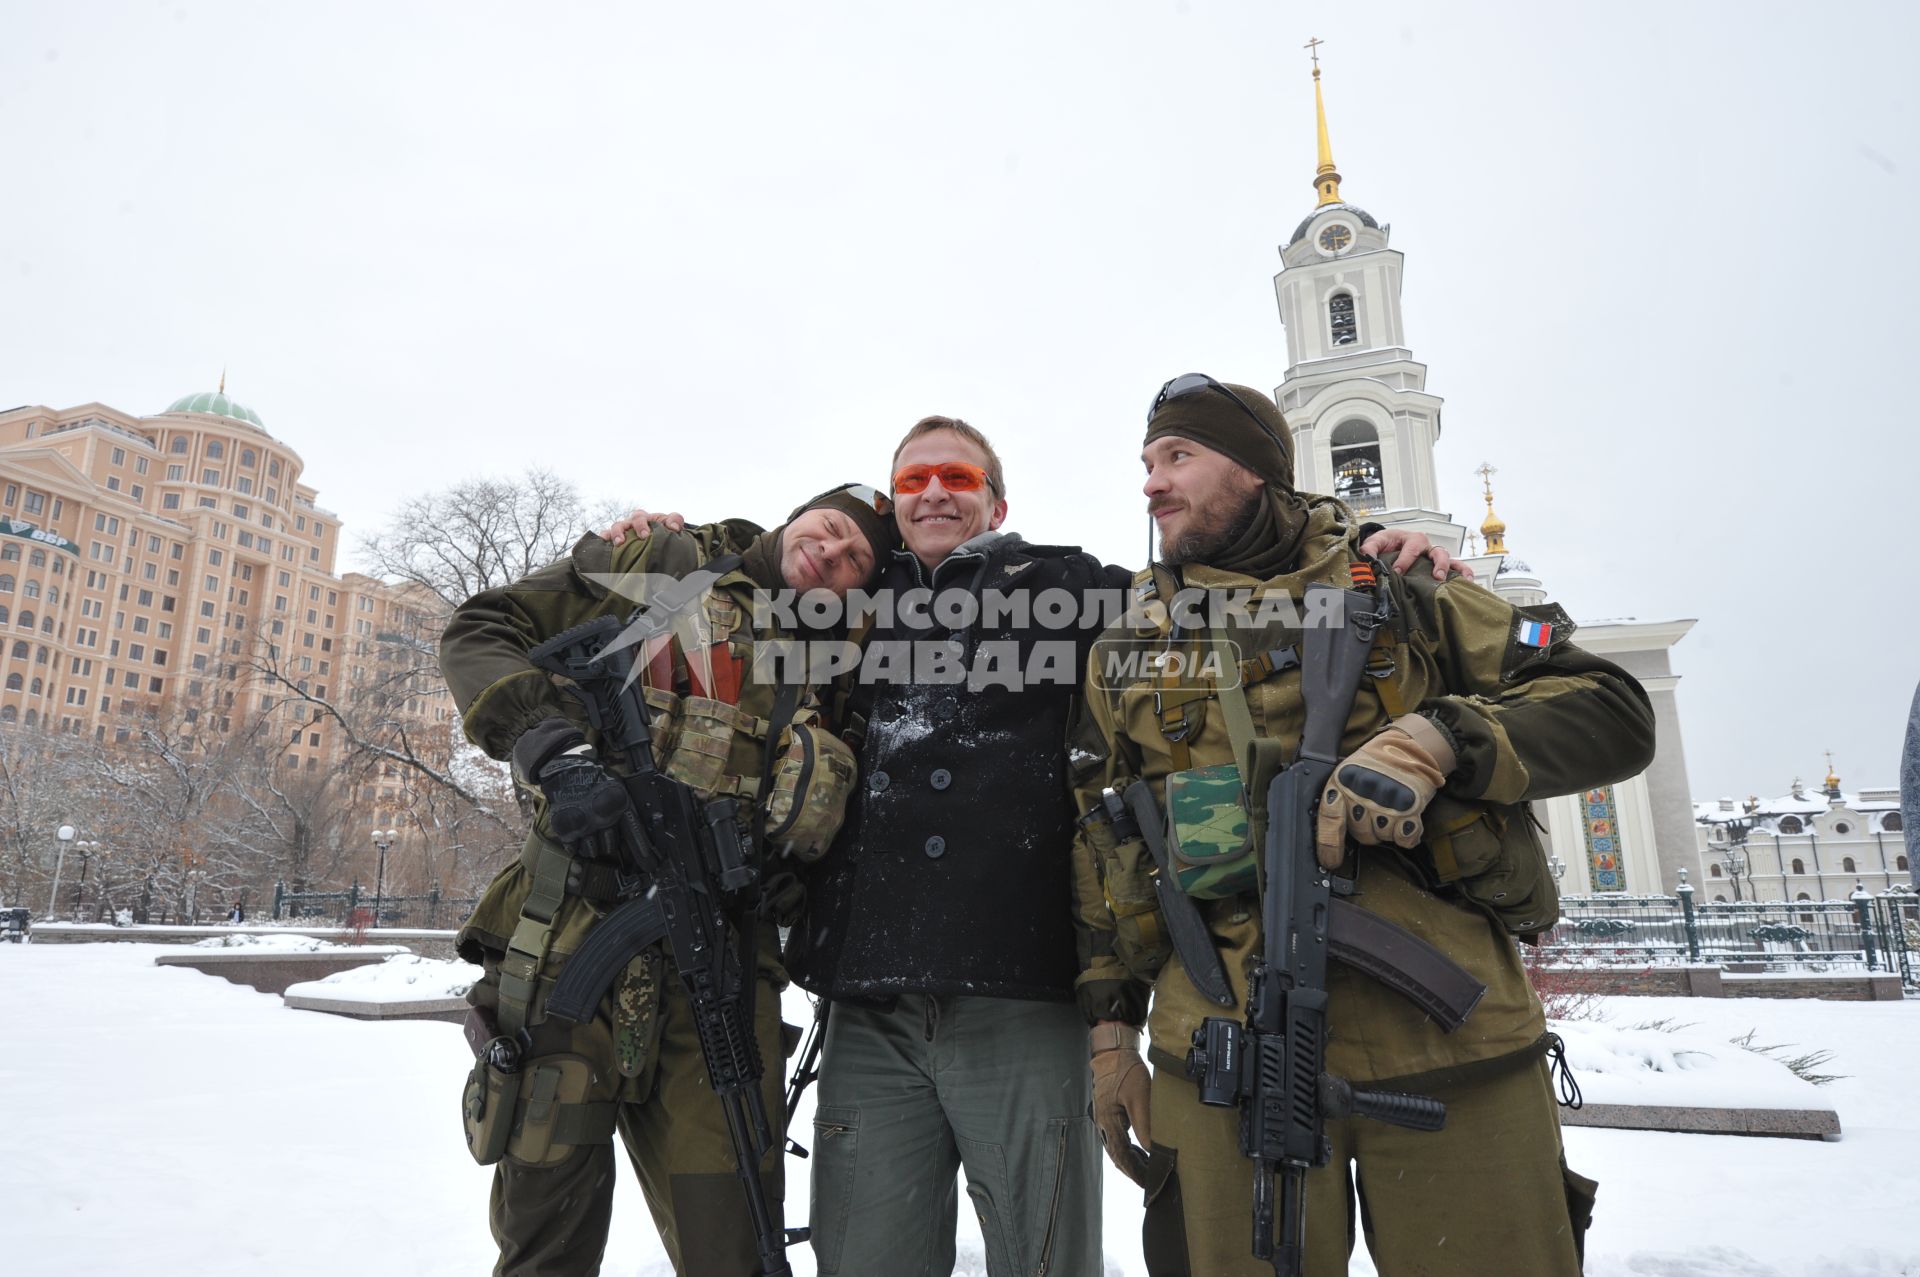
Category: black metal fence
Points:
column 357, row 907
column 1871, row 933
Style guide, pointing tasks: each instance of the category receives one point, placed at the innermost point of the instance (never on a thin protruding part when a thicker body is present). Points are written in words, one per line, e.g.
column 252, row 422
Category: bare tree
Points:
column 479, row 534
column 41, row 789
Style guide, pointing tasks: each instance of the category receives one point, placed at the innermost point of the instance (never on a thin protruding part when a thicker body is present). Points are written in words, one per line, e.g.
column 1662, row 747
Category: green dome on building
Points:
column 217, row 403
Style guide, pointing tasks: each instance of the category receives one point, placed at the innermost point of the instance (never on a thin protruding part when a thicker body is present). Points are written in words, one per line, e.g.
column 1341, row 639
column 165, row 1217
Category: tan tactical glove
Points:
column 1377, row 793
column 1120, row 1091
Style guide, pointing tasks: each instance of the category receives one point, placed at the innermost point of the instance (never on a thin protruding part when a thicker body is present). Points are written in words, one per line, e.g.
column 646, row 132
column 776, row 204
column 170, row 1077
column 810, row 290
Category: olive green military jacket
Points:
column 1529, row 722
column 716, row 747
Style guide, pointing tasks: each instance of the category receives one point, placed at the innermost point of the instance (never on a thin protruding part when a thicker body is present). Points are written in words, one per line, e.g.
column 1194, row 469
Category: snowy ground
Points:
column 157, row 1120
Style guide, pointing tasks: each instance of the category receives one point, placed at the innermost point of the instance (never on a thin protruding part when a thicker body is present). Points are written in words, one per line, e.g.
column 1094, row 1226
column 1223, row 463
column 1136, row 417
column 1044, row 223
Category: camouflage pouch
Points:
column 813, row 774
column 555, row 1116
column 702, row 743
column 1492, row 855
column 1214, row 853
column 1126, row 879
column 487, row 1110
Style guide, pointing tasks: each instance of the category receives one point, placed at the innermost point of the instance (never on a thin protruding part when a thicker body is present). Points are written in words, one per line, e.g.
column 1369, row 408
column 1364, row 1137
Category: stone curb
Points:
column 1803, row 1124
column 452, row 1010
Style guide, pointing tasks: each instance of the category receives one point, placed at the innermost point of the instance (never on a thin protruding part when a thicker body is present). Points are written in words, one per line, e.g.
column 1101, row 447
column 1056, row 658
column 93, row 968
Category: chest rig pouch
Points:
column 1214, row 833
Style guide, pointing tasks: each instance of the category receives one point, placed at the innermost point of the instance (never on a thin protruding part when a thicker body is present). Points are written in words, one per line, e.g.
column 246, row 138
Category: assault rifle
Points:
column 682, row 866
column 1271, row 1066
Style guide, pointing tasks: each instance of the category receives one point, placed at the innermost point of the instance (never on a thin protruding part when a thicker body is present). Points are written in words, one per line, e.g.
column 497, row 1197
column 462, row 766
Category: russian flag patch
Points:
column 1535, row 634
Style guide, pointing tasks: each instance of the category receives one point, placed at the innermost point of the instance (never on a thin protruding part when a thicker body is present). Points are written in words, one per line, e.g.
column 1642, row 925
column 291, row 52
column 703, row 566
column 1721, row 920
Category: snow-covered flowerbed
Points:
column 404, row 977
column 1634, row 1061
column 284, row 942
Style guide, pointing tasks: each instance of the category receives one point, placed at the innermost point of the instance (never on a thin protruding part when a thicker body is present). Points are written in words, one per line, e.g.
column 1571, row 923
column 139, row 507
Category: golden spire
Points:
column 1833, row 781
column 1326, row 179
column 1493, row 529
column 223, row 381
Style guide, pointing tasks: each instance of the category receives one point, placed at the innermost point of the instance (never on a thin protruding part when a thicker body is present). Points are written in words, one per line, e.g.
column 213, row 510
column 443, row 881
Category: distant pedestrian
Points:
column 237, row 914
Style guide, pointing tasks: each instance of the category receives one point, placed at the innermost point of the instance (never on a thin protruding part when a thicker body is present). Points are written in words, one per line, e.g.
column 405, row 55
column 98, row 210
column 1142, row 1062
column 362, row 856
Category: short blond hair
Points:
column 927, row 425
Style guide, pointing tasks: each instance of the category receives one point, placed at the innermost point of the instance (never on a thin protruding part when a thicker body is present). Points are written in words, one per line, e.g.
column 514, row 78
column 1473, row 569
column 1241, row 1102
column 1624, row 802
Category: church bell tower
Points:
column 1363, row 423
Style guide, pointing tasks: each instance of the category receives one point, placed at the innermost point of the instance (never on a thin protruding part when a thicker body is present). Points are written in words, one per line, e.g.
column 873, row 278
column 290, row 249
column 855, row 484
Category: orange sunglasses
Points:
column 954, row 476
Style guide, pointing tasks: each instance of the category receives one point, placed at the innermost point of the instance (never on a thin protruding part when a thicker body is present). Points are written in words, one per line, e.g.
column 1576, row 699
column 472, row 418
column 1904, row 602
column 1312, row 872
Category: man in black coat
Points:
column 939, row 923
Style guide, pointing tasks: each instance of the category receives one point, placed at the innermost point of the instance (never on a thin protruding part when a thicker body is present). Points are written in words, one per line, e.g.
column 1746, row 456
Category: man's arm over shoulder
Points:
column 483, row 651
column 1530, row 714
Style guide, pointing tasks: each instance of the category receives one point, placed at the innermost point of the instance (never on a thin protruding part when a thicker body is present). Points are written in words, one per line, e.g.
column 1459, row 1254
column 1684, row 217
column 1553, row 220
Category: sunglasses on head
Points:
column 954, row 476
column 1193, row 383
column 865, row 493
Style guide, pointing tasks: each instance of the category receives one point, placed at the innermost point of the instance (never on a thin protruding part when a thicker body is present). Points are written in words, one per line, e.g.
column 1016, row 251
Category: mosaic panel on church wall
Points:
column 1600, row 822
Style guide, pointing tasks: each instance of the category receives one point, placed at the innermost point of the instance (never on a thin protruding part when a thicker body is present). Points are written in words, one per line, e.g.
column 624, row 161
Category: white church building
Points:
column 1364, row 428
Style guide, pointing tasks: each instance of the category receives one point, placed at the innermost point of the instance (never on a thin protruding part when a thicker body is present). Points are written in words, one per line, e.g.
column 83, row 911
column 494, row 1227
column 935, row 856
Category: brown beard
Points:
column 1211, row 534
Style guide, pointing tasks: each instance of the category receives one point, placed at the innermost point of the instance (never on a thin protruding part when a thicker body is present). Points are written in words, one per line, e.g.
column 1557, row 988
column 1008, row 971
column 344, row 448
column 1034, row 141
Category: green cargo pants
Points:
column 1000, row 1086
column 1488, row 1194
column 551, row 1221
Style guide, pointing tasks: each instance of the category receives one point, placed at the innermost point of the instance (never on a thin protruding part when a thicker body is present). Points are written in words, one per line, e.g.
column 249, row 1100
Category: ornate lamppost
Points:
column 1730, row 840
column 383, row 839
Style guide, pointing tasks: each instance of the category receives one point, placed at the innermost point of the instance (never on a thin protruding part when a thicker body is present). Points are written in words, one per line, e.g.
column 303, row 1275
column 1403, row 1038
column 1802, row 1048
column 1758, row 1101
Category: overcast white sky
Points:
column 718, row 256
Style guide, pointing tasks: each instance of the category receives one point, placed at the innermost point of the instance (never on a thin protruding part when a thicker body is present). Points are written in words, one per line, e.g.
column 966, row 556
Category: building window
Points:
column 1846, row 864
column 179, row 445
column 6, row 584
column 15, row 683
column 1900, row 863
column 215, row 449
column 1790, row 825
column 1799, row 867
column 1340, row 314
column 1892, row 823
column 170, row 501
column 1842, row 827
column 209, row 476
column 246, row 456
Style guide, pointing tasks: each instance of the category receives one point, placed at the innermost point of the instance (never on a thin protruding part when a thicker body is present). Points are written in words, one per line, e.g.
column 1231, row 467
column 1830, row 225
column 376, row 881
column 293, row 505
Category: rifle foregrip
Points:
column 1395, row 1108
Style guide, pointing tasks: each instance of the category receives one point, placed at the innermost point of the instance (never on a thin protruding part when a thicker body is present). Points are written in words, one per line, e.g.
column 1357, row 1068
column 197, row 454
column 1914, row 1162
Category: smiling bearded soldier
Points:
column 1474, row 708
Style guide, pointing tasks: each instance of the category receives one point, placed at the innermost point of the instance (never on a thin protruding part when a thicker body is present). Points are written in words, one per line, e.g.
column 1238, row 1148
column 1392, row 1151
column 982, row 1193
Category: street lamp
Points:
column 86, row 847
column 65, row 835
column 1729, row 838
column 383, row 839
column 1558, row 868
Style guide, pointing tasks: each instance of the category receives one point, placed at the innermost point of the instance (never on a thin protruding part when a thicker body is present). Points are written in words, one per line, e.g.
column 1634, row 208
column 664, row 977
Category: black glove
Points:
column 584, row 804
